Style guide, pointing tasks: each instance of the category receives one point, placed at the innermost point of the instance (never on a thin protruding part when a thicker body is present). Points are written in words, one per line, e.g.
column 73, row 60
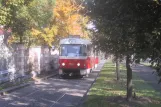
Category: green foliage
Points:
column 14, row 15
column 41, row 13
column 118, row 24
column 23, row 15
column 127, row 27
column 43, row 28
column 9, row 10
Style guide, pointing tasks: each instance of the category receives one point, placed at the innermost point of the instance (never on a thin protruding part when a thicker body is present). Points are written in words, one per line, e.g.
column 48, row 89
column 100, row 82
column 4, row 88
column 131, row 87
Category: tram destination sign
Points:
column 74, row 36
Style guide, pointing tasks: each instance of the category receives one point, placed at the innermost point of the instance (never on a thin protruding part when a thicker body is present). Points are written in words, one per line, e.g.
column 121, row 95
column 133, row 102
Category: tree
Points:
column 105, row 45
column 43, row 21
column 68, row 19
column 14, row 16
column 26, row 16
column 41, row 14
column 123, row 28
column 45, row 36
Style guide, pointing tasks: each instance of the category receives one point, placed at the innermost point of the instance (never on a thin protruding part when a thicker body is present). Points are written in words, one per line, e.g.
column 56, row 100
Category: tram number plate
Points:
column 71, row 64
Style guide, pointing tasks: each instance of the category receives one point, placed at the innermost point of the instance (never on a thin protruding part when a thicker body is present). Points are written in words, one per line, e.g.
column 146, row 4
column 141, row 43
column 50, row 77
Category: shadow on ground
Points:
column 120, row 101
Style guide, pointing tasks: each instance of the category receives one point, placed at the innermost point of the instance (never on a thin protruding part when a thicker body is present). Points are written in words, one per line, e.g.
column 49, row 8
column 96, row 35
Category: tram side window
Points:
column 83, row 51
column 89, row 50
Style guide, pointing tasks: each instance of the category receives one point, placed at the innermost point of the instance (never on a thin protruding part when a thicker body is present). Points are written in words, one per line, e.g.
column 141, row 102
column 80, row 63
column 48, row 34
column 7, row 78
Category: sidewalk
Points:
column 148, row 74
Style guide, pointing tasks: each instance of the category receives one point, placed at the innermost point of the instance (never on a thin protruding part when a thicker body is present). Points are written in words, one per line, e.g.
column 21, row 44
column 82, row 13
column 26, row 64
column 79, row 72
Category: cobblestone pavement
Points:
column 53, row 92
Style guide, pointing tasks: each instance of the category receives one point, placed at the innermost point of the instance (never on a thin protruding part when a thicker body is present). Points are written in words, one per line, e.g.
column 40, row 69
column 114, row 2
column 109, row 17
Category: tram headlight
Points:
column 63, row 64
column 78, row 64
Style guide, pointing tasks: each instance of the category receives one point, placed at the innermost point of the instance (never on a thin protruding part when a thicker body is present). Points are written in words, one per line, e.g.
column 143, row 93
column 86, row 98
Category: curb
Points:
column 8, row 90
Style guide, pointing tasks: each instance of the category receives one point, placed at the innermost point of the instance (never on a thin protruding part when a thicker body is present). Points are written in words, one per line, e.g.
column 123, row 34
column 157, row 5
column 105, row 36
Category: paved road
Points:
column 148, row 74
column 53, row 92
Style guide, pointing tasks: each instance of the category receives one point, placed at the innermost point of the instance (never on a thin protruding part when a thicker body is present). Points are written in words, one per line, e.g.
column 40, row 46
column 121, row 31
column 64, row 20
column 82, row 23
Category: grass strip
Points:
column 107, row 92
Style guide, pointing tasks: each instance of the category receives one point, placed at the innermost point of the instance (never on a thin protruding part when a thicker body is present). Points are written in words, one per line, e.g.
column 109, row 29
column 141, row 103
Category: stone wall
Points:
column 6, row 60
column 41, row 61
column 18, row 61
column 48, row 61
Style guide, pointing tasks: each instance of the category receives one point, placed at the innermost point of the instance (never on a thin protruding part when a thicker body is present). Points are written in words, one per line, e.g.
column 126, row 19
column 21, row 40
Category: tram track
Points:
column 53, row 92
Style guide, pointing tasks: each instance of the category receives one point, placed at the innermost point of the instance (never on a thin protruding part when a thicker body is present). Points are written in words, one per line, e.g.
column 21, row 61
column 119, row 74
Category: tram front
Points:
column 74, row 59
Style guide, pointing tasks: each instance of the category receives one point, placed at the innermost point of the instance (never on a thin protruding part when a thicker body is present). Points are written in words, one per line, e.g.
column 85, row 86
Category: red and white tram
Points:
column 76, row 57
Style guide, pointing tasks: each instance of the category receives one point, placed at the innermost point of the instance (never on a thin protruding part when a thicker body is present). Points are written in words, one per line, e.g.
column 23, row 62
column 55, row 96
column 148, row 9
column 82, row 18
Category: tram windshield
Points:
column 73, row 50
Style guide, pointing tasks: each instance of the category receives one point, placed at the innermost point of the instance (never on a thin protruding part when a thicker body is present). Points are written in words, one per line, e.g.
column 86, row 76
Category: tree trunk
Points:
column 129, row 78
column 21, row 40
column 117, row 69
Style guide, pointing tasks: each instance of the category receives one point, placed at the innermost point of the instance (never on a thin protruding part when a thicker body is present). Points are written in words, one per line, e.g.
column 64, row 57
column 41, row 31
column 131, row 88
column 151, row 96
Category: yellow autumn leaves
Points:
column 45, row 36
column 66, row 21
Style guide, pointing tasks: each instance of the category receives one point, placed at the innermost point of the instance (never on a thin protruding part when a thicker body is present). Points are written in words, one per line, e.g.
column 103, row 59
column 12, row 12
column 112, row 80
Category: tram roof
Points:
column 75, row 41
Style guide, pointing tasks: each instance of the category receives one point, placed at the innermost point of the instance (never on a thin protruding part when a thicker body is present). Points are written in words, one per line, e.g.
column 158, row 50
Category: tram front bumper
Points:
column 80, row 72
